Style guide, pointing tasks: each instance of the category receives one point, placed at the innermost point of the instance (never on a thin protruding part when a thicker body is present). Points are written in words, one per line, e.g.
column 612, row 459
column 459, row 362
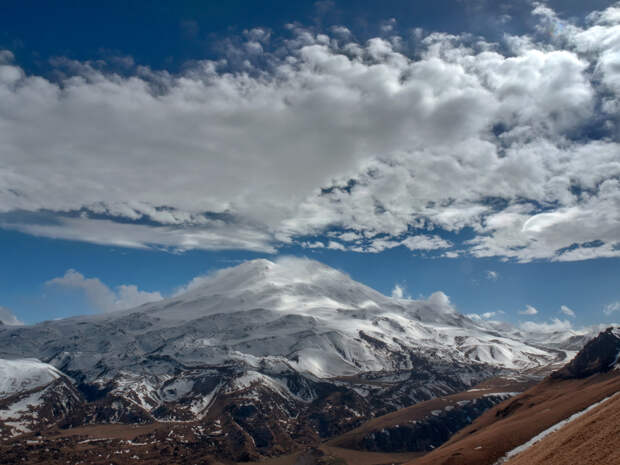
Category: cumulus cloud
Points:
column 612, row 308
column 551, row 327
column 441, row 300
column 492, row 275
column 567, row 311
column 529, row 310
column 7, row 317
column 101, row 296
column 398, row 292
column 284, row 139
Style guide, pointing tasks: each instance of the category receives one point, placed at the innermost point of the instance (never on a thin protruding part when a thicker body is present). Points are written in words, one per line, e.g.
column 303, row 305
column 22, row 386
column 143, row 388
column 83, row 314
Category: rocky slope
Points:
column 427, row 425
column 266, row 356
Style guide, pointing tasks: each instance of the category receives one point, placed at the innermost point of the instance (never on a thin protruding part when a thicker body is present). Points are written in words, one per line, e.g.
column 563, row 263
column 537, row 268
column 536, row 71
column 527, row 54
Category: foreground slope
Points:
column 592, row 376
column 593, row 439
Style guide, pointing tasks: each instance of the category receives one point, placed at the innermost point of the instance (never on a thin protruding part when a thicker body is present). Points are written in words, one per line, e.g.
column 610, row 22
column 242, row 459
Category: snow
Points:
column 502, row 394
column 23, row 375
column 266, row 319
column 551, row 429
column 200, row 407
column 615, row 363
column 24, row 405
column 306, row 313
column 179, row 388
column 137, row 389
column 19, row 415
column 253, row 378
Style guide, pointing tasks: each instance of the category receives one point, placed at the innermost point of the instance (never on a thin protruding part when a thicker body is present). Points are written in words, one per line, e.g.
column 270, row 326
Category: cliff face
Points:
column 600, row 355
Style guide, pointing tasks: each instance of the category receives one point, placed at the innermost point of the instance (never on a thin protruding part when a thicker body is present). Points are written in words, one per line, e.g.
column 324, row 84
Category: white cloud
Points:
column 492, row 275
column 7, row 316
column 529, row 310
column 567, row 311
column 315, row 133
column 489, row 315
column 425, row 242
column 484, row 316
column 441, row 300
column 350, row 236
column 335, row 246
column 357, row 243
column 551, row 327
column 398, row 292
column 611, row 308
column 216, row 235
column 313, row 245
column 101, row 296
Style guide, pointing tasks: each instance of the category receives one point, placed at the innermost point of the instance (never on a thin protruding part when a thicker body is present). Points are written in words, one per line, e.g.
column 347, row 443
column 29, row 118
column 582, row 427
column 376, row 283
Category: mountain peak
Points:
column 599, row 355
column 286, row 280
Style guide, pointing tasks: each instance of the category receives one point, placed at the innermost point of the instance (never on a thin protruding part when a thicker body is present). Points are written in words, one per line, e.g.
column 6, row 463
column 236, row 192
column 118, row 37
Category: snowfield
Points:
column 24, row 375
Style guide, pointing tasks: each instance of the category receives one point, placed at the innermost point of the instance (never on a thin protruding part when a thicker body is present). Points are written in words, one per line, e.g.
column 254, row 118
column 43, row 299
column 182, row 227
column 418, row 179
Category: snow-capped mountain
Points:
column 294, row 331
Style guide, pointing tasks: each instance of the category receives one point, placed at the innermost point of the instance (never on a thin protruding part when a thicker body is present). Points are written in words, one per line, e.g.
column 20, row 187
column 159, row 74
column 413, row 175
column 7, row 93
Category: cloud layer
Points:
column 392, row 142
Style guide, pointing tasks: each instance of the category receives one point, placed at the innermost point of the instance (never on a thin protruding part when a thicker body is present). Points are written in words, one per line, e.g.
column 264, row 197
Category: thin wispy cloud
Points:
column 611, row 308
column 567, row 311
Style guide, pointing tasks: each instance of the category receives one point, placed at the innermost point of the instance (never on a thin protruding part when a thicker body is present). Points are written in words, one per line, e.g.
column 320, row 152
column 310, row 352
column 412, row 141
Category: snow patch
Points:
column 551, row 429
column 24, row 375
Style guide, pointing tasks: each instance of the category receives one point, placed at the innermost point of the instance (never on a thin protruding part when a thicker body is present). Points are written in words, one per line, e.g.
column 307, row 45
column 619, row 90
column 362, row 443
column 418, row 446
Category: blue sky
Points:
column 470, row 147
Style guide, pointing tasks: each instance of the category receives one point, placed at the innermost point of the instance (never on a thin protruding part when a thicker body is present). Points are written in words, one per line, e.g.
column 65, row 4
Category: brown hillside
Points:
column 593, row 439
column 515, row 421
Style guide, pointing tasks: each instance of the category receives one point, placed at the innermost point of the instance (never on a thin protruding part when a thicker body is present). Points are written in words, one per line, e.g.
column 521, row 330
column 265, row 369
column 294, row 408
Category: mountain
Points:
column 599, row 355
column 263, row 357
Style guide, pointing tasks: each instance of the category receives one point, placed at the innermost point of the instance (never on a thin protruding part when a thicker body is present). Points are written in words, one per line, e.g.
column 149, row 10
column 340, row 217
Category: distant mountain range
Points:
column 260, row 358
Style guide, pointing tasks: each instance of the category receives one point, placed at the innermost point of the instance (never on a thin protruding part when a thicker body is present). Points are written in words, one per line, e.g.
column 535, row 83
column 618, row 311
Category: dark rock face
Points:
column 597, row 356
